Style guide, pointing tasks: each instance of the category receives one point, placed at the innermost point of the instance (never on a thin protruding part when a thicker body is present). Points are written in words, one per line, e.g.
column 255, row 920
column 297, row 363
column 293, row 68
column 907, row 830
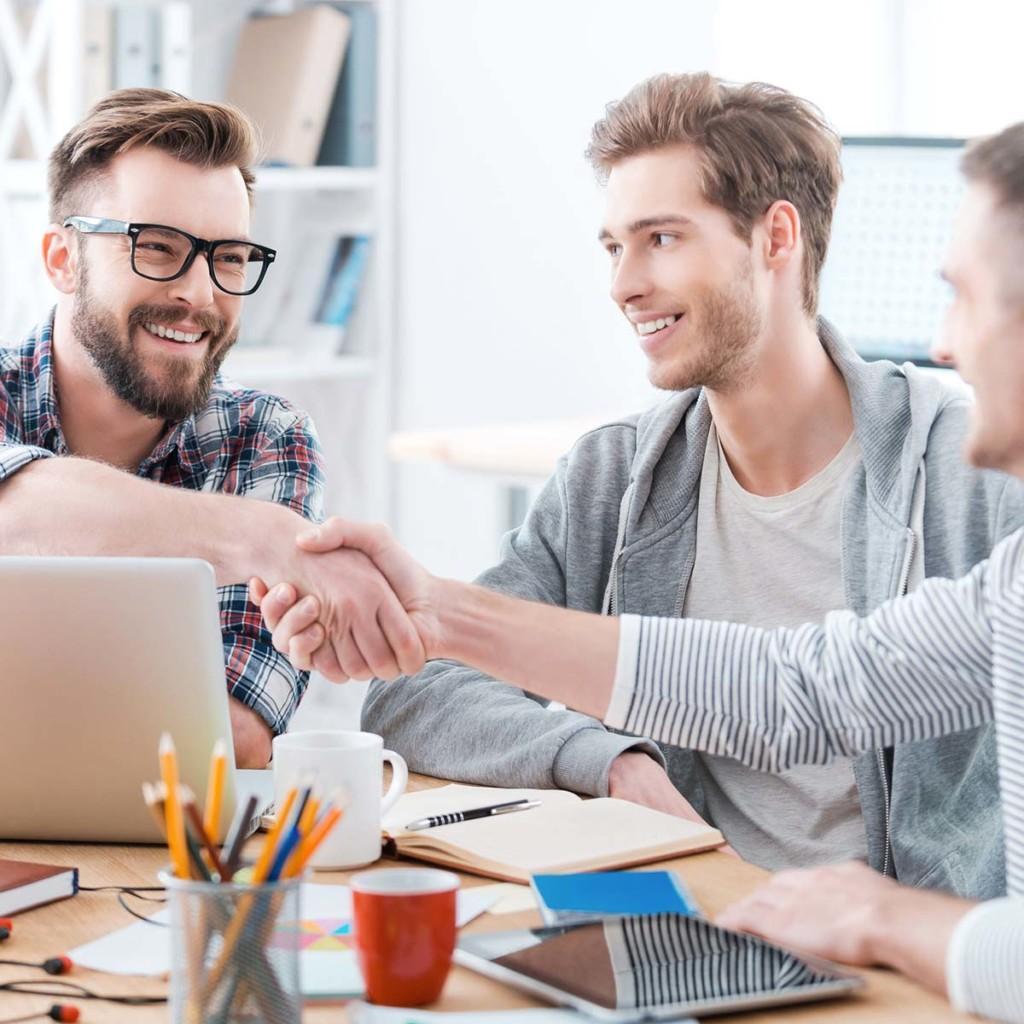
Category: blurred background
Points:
column 439, row 304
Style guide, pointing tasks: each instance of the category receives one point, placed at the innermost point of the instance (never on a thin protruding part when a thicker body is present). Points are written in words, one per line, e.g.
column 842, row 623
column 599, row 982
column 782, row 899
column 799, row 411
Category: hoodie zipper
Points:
column 902, row 590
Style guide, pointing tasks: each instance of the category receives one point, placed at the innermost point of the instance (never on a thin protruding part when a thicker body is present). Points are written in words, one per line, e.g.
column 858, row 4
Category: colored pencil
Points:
column 215, row 790
column 175, row 820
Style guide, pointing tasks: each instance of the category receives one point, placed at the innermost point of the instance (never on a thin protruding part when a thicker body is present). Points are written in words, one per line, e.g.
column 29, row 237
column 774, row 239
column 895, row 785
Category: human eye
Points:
column 613, row 249
column 662, row 238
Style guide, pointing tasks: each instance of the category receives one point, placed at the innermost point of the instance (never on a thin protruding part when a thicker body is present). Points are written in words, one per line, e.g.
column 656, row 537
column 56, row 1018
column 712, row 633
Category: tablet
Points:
column 657, row 967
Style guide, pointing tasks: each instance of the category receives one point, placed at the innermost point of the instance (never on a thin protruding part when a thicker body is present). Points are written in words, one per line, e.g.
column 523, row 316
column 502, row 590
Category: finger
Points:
column 328, row 536
column 401, row 636
column 325, row 661
column 304, row 645
column 375, row 649
column 276, row 602
column 351, row 659
column 297, row 618
column 257, row 590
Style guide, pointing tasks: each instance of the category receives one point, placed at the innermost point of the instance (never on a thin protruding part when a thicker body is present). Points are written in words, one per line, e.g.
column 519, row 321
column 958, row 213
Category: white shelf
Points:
column 28, row 178
column 276, row 364
column 312, row 179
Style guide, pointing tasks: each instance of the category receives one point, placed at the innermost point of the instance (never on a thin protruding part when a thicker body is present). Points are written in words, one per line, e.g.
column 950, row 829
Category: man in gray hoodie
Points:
column 785, row 478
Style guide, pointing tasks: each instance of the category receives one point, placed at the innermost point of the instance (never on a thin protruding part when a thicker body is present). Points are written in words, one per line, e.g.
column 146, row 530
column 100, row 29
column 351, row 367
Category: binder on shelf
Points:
column 350, row 138
column 136, row 47
column 285, row 71
column 341, row 292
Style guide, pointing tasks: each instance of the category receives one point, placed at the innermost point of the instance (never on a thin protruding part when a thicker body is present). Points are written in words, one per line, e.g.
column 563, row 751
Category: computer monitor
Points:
column 880, row 285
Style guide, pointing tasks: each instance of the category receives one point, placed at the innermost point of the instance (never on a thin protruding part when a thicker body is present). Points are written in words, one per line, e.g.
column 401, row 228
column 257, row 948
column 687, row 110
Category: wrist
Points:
column 455, row 608
column 246, row 537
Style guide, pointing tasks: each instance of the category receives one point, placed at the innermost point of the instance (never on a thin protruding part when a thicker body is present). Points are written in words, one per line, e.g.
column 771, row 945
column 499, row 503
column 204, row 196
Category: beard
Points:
column 181, row 388
column 718, row 353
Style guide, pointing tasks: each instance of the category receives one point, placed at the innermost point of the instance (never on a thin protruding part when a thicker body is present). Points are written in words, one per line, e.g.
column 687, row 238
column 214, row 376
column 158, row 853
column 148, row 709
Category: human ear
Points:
column 782, row 232
column 60, row 258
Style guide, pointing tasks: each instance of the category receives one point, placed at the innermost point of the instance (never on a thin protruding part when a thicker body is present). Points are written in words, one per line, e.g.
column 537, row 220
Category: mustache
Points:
column 167, row 316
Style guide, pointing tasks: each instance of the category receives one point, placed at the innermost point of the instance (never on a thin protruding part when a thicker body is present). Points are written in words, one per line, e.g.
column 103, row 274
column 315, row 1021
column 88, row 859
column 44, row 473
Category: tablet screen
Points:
column 637, row 963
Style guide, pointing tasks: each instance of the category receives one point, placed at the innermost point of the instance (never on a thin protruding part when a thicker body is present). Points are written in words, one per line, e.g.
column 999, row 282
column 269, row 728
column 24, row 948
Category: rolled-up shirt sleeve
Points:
column 985, row 961
column 14, row 453
column 17, row 456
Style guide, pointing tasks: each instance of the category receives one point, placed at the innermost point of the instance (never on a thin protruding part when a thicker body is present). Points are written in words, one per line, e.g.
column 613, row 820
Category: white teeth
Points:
column 650, row 326
column 166, row 332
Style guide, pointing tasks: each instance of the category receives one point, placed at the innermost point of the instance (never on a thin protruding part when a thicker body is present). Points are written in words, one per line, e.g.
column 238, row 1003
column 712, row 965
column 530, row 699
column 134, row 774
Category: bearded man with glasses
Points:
column 117, row 434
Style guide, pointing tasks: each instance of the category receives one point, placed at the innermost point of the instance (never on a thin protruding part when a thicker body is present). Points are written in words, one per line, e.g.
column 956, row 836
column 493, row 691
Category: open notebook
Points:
column 565, row 833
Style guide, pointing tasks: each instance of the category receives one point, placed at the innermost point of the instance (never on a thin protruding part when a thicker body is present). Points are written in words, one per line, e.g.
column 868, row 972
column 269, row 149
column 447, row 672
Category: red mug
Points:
column 404, row 932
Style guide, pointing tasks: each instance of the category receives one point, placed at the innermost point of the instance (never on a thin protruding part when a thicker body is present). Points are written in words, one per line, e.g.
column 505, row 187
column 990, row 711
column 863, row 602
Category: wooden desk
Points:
column 714, row 878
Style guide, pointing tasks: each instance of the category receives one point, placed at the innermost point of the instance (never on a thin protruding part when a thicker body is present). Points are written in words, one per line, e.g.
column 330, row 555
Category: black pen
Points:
column 477, row 812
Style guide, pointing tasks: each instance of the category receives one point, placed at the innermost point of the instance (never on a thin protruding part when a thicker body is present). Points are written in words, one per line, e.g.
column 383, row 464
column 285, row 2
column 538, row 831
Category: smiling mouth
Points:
column 649, row 327
column 169, row 334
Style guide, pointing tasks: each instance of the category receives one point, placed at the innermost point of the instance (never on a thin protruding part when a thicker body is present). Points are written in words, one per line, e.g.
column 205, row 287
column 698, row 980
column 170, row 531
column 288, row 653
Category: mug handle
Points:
column 399, row 780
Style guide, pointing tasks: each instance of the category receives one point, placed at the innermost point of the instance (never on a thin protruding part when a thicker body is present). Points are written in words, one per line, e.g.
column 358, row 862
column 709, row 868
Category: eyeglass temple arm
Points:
column 101, row 225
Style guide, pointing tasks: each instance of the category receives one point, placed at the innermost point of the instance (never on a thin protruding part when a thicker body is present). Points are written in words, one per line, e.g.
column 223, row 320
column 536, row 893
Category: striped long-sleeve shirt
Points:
column 946, row 658
column 242, row 442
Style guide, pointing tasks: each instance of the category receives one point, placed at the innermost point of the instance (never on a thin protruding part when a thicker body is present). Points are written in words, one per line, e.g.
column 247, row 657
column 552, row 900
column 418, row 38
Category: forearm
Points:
column 251, row 735
column 71, row 506
column 560, row 654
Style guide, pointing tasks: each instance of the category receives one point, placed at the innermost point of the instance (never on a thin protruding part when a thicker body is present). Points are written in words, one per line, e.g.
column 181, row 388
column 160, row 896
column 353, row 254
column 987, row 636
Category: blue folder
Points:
column 564, row 899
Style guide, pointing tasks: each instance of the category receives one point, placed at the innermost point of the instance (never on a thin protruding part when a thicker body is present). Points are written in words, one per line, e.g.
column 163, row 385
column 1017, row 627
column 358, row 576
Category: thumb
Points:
column 328, row 536
column 368, row 538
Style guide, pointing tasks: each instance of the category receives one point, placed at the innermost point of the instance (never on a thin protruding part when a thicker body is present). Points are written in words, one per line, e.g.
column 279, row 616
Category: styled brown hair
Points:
column 998, row 162
column 756, row 143
column 203, row 134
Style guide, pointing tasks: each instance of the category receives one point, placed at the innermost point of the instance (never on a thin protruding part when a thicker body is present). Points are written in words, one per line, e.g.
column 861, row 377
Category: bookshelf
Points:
column 348, row 392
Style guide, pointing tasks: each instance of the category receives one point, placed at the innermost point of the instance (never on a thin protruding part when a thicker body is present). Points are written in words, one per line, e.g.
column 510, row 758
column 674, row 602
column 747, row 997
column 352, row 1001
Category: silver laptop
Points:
column 98, row 657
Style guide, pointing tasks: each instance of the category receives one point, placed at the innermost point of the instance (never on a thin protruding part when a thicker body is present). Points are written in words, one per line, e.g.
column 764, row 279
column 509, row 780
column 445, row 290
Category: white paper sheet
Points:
column 144, row 948
column 364, row 1013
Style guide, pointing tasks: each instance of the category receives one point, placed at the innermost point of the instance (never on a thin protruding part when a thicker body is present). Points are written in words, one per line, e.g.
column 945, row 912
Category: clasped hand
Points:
column 360, row 605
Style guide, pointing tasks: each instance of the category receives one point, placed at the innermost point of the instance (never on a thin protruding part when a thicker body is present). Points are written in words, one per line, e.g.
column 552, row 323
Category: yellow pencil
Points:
column 175, row 819
column 215, row 790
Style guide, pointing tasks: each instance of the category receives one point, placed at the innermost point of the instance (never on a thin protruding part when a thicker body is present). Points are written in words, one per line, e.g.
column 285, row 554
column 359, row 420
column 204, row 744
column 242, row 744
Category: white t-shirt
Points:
column 775, row 562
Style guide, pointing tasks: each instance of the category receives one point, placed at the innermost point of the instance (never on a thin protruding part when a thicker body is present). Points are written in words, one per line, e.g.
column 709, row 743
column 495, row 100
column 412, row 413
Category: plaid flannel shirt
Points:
column 243, row 442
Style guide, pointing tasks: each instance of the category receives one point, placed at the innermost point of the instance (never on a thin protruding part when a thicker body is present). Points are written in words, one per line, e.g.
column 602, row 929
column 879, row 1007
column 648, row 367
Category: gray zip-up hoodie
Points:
column 615, row 530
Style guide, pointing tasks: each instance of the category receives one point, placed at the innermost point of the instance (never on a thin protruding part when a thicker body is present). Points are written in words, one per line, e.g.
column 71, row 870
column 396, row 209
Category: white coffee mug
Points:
column 353, row 764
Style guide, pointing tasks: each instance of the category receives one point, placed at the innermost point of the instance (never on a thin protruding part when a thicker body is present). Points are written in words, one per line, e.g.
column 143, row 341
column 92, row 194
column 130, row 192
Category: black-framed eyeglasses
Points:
column 162, row 253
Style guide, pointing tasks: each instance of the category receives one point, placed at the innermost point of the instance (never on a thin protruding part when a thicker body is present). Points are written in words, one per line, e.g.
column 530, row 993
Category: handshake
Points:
column 350, row 602
column 355, row 605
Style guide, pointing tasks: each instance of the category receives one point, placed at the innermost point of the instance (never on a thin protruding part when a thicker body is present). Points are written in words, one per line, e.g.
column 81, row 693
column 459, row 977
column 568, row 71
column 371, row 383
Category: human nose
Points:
column 630, row 280
column 195, row 286
column 943, row 351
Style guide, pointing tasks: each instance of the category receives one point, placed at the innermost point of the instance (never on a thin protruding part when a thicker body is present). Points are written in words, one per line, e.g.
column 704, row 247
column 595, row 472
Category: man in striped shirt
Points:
column 946, row 658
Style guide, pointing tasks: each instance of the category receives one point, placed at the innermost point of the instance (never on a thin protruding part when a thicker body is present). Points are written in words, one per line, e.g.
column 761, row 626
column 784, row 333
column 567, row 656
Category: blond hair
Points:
column 195, row 132
column 756, row 143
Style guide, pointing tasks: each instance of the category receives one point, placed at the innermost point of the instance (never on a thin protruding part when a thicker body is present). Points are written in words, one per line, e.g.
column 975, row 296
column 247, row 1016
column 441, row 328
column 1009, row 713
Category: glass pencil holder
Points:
column 234, row 952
